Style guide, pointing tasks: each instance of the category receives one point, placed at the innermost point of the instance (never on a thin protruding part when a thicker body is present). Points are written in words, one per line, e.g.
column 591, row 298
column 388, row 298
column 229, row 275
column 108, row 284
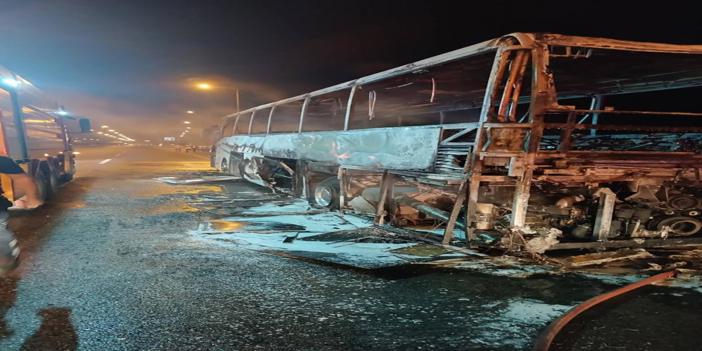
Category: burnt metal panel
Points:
column 401, row 148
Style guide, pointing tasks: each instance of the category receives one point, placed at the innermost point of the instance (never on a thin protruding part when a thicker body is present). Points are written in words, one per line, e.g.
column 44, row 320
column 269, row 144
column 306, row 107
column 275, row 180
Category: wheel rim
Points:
column 323, row 196
column 683, row 202
column 682, row 226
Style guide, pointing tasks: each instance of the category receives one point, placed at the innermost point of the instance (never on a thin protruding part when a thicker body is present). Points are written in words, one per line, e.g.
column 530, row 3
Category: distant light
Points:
column 203, row 86
column 10, row 82
column 111, row 130
column 104, row 126
column 46, row 155
column 186, row 122
column 100, row 133
column 76, row 153
column 187, row 127
column 190, row 112
column 62, row 112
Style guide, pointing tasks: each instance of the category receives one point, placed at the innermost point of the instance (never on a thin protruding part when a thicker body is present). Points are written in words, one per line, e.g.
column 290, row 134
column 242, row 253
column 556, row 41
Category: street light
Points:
column 207, row 86
column 190, row 112
column 186, row 122
column 104, row 126
column 203, row 86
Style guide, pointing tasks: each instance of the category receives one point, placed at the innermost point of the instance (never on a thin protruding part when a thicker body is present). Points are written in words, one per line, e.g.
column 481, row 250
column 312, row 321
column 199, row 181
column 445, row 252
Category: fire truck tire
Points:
column 54, row 182
column 43, row 183
column 66, row 177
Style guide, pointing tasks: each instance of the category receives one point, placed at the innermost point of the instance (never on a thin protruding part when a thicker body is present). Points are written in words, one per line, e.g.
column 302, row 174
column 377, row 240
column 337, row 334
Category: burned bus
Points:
column 578, row 140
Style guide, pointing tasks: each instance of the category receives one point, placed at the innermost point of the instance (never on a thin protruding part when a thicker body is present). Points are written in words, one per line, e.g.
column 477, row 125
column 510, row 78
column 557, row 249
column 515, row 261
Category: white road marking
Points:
column 104, row 161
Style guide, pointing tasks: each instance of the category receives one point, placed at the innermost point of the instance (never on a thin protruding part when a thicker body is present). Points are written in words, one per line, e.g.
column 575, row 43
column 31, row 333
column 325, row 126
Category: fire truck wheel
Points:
column 43, row 183
column 66, row 177
column 325, row 194
column 54, row 182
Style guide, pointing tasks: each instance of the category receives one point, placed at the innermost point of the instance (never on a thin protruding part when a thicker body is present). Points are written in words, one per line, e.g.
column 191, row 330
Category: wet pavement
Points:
column 123, row 262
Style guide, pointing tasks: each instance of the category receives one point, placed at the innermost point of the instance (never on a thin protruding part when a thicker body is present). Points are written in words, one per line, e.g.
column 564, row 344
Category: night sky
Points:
column 130, row 63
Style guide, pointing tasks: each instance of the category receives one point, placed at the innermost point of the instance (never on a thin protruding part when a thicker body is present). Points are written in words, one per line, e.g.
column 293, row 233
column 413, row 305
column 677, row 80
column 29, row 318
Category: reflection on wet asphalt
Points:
column 55, row 333
column 8, row 294
column 125, row 272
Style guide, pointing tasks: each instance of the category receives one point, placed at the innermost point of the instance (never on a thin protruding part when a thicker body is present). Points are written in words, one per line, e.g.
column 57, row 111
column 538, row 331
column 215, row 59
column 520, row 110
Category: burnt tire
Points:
column 325, row 194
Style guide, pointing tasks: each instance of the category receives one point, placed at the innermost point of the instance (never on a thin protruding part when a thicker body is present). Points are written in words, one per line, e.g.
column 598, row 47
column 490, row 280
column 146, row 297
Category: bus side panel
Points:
column 402, row 148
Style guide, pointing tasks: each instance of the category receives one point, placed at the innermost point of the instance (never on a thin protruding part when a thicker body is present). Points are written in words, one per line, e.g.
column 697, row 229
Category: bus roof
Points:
column 525, row 40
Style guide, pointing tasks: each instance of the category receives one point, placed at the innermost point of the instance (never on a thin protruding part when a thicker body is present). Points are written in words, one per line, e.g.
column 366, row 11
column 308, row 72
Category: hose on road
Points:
column 543, row 343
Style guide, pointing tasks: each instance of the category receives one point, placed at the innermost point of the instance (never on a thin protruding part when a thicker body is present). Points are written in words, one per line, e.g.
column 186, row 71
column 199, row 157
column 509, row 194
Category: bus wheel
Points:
column 325, row 194
column 224, row 167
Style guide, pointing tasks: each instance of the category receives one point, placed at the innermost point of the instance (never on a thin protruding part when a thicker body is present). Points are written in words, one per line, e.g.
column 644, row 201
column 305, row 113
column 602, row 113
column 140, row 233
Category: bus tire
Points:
column 325, row 194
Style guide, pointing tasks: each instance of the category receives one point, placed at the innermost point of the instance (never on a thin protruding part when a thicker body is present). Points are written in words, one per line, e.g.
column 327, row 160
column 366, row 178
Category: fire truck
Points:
column 36, row 133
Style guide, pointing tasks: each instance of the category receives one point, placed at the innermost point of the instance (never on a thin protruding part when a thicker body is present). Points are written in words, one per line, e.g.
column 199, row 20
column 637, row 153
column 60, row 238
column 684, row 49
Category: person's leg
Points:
column 26, row 189
column 9, row 250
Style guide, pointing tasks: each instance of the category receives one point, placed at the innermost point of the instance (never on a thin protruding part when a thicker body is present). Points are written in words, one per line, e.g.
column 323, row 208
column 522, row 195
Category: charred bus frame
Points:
column 522, row 136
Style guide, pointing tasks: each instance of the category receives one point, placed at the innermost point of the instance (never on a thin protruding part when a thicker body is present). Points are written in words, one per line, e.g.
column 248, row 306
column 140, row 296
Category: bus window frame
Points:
column 270, row 116
column 239, row 120
column 303, row 110
column 300, row 116
column 251, row 118
column 349, row 105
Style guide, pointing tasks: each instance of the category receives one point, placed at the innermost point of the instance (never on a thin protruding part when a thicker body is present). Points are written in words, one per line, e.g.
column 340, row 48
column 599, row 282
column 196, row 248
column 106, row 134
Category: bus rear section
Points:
column 568, row 140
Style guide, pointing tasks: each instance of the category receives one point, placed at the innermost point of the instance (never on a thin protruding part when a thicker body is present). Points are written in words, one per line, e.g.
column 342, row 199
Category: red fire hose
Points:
column 543, row 343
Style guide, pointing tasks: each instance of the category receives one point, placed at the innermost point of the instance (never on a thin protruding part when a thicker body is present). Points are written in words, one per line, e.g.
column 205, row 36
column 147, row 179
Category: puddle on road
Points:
column 219, row 226
column 151, row 188
column 176, row 206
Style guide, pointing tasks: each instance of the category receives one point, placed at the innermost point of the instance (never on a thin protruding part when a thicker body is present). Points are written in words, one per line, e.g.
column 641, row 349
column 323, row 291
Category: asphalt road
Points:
column 113, row 265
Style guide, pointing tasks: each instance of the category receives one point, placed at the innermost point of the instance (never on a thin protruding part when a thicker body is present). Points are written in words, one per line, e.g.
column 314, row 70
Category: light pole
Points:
column 207, row 86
